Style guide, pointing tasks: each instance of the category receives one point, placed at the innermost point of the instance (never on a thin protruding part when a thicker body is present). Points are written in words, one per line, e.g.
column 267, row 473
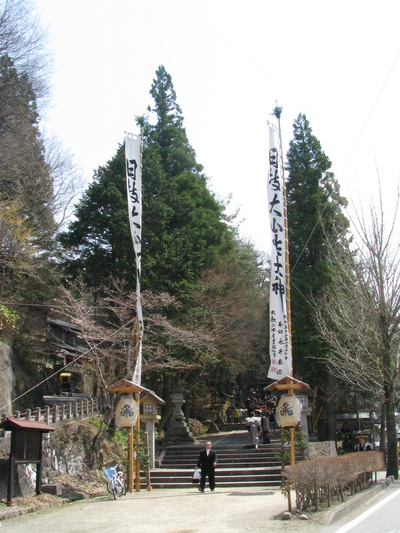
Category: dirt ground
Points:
column 227, row 510
column 166, row 511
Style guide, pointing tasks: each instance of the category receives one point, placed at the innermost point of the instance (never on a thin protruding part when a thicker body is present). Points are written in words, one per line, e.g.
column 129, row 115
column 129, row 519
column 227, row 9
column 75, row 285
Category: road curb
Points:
column 356, row 501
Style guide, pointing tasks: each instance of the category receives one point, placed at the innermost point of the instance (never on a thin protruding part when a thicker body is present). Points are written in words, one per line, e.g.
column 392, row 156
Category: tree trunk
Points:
column 382, row 446
column 392, row 467
column 331, row 410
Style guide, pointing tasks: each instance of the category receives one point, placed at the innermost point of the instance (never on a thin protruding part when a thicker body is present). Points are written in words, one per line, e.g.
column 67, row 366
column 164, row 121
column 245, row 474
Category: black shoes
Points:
column 201, row 490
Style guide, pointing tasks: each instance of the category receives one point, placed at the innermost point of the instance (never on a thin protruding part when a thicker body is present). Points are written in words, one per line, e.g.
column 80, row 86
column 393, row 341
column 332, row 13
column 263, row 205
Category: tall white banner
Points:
column 134, row 194
column 279, row 344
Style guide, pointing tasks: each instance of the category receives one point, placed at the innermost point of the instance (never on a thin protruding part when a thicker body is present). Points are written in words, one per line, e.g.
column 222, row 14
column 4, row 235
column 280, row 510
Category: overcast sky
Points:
column 336, row 62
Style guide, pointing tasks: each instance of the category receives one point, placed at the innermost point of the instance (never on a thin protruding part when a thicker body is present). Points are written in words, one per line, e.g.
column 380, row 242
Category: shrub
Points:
column 316, row 479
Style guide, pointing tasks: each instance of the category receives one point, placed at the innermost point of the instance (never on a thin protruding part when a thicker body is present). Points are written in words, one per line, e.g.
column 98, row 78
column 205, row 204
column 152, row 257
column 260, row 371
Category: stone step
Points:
column 220, row 472
column 263, row 464
column 239, row 463
column 238, row 451
column 272, row 484
column 239, row 478
column 225, row 455
column 258, row 454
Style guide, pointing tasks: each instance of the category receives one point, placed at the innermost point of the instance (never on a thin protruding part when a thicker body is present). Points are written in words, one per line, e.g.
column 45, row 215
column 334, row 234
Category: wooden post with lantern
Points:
column 128, row 415
column 289, row 408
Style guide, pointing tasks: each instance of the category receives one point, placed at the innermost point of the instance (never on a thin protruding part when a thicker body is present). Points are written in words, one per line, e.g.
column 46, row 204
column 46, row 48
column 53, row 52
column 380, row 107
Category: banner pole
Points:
column 277, row 112
column 137, row 478
column 130, row 453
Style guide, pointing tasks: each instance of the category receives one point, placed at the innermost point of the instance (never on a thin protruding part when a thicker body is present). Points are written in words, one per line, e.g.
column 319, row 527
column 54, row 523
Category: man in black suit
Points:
column 207, row 462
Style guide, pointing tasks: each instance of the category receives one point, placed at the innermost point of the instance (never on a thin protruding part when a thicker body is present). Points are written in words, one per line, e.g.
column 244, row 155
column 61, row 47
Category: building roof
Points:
column 129, row 387
column 288, row 382
column 12, row 423
column 73, row 328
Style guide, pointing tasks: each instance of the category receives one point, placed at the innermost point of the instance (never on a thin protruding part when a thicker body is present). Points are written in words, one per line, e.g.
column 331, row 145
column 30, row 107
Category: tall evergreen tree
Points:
column 24, row 175
column 183, row 225
column 98, row 245
column 27, row 224
column 314, row 208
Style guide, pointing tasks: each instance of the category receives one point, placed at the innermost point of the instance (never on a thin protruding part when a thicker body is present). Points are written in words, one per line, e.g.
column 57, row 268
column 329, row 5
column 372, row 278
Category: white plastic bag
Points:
column 196, row 476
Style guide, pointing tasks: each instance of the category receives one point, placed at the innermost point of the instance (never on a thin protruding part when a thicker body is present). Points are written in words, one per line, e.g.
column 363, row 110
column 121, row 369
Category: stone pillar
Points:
column 178, row 430
column 215, row 419
column 55, row 412
column 150, row 428
column 305, row 412
column 47, row 414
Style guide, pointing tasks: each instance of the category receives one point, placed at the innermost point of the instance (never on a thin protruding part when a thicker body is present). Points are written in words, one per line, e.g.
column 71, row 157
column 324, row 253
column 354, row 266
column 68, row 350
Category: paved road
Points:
column 378, row 516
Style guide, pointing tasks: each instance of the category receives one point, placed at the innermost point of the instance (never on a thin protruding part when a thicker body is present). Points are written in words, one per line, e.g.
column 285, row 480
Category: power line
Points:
column 90, row 350
column 373, row 107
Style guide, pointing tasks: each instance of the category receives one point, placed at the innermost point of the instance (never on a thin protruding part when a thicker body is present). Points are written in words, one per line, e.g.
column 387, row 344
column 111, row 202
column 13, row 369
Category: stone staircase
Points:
column 239, row 464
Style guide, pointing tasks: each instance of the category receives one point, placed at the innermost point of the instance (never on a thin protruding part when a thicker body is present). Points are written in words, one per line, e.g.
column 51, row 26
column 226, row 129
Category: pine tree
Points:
column 314, row 212
column 183, row 224
column 98, row 244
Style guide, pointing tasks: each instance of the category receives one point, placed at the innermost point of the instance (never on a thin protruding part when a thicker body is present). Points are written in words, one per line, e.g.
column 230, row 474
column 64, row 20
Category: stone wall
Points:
column 66, row 450
column 6, row 378
column 322, row 449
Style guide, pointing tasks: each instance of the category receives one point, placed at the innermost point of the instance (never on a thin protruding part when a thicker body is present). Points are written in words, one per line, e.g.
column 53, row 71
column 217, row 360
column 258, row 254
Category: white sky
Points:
column 335, row 61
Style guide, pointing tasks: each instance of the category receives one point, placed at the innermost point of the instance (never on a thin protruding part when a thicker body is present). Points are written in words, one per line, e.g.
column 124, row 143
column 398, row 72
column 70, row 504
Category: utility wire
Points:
column 373, row 107
column 72, row 362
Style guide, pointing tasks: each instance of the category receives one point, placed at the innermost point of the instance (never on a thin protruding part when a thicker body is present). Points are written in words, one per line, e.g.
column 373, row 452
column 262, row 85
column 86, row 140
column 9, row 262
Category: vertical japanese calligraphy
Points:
column 279, row 344
column 134, row 194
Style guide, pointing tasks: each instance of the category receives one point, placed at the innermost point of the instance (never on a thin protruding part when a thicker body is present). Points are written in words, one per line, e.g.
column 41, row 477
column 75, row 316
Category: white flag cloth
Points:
column 279, row 344
column 134, row 194
column 134, row 191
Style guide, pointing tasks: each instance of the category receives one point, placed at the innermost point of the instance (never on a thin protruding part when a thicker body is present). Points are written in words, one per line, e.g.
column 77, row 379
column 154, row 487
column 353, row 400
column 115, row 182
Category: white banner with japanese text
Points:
column 279, row 344
column 134, row 195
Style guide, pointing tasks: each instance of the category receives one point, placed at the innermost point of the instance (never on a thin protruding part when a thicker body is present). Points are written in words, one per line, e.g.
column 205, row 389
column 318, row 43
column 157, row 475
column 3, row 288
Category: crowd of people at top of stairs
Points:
column 258, row 413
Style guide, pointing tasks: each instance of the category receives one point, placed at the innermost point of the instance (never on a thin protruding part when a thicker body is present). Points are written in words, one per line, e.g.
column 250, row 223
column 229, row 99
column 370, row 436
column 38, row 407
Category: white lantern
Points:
column 289, row 410
column 127, row 412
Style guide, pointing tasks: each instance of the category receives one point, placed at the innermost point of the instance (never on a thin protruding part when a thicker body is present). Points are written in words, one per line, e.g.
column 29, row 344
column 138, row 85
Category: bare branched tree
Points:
column 24, row 39
column 108, row 331
column 359, row 315
column 39, row 180
column 67, row 183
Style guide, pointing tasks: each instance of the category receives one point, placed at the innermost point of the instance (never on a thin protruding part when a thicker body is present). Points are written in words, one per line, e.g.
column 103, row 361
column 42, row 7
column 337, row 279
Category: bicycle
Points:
column 116, row 482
